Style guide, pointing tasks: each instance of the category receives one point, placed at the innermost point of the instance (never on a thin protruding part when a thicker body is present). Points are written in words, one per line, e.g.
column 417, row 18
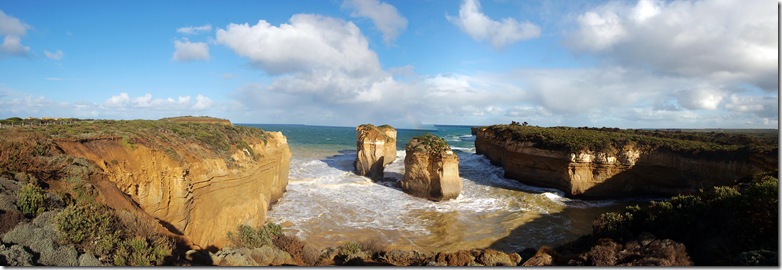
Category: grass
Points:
column 249, row 237
column 612, row 140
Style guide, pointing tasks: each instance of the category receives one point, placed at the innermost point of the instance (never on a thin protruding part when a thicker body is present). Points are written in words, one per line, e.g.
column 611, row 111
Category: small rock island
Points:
column 431, row 169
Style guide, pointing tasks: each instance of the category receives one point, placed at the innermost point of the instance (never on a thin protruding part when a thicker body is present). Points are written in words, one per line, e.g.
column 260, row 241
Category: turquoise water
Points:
column 327, row 204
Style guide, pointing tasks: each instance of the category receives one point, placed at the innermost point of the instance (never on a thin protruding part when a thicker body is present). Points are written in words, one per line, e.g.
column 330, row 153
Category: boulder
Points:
column 431, row 169
column 376, row 148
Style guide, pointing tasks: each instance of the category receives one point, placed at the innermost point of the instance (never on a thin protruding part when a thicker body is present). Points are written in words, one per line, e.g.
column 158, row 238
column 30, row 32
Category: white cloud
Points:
column 120, row 100
column 309, row 42
column 192, row 30
column 202, row 103
column 472, row 21
column 186, row 51
column 124, row 102
column 10, row 26
column 56, row 56
column 728, row 41
column 12, row 29
column 12, row 45
column 385, row 16
column 701, row 97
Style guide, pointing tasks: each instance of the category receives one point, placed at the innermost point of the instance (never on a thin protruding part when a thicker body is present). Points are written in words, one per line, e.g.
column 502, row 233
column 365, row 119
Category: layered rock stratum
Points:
column 614, row 163
column 199, row 179
column 431, row 169
column 376, row 148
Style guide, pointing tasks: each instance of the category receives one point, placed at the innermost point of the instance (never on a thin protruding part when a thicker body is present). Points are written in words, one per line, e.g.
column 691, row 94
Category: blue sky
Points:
column 629, row 64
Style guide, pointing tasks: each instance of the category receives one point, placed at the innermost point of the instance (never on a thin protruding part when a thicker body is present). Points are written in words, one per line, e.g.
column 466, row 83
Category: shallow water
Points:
column 327, row 204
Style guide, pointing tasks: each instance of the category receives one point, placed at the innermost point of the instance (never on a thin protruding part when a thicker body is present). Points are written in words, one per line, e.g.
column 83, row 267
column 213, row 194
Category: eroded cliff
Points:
column 198, row 179
column 612, row 165
column 376, row 148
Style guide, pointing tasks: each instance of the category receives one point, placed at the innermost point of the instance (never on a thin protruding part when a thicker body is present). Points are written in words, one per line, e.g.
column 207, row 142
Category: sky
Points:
column 627, row 64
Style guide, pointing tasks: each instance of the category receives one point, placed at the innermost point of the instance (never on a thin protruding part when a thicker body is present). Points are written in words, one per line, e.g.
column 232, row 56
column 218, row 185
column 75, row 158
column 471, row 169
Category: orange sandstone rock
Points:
column 376, row 148
column 431, row 169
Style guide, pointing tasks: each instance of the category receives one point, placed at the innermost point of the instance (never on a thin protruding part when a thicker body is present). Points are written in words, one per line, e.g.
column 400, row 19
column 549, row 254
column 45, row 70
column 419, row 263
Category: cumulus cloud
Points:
column 56, row 56
column 308, row 42
column 385, row 16
column 475, row 23
column 202, row 103
column 12, row 29
column 192, row 30
column 725, row 41
column 186, row 51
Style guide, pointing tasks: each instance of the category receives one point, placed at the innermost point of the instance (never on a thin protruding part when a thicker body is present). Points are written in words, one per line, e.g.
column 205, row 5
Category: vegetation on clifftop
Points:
column 223, row 139
column 428, row 143
column 382, row 129
column 611, row 140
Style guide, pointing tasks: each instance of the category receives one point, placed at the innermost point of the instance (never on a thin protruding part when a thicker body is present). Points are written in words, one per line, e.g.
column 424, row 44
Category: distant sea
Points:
column 326, row 204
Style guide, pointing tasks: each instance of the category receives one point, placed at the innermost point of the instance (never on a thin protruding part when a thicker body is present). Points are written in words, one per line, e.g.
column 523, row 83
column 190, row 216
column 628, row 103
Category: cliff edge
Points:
column 613, row 163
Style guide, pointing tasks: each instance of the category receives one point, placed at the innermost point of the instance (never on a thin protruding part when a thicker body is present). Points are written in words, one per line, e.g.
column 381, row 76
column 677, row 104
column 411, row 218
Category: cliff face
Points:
column 431, row 170
column 376, row 148
column 630, row 171
column 193, row 190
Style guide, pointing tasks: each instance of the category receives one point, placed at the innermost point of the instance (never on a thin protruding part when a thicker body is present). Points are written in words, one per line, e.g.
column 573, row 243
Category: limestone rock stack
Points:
column 431, row 169
column 376, row 148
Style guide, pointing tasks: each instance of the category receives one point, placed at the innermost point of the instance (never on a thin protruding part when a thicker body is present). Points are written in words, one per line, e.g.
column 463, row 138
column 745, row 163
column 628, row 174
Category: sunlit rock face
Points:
column 376, row 148
column 431, row 169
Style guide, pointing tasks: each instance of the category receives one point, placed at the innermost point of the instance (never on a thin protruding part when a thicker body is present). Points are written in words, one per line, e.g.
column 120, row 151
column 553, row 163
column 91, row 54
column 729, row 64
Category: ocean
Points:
column 326, row 204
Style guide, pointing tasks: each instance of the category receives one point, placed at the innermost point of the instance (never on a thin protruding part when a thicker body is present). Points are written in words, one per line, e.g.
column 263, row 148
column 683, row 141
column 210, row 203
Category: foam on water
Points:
column 328, row 204
column 326, row 200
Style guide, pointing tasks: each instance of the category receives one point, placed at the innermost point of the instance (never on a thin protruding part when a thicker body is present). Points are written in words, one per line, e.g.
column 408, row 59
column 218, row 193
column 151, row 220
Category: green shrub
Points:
column 86, row 223
column 427, row 143
column 31, row 200
column 142, row 251
column 246, row 236
column 350, row 248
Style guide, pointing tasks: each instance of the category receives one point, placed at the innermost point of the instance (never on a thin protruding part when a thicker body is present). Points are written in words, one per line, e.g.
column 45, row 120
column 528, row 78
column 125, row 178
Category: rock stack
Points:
column 376, row 148
column 431, row 169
